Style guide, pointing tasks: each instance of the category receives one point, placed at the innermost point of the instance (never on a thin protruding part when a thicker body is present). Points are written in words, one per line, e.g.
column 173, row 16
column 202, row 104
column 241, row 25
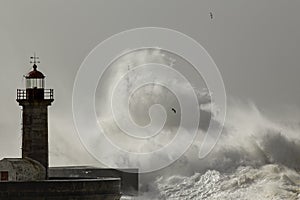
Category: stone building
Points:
column 19, row 169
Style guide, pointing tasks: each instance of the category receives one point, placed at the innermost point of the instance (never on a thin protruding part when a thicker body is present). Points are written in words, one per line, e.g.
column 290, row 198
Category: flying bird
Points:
column 173, row 109
column 211, row 15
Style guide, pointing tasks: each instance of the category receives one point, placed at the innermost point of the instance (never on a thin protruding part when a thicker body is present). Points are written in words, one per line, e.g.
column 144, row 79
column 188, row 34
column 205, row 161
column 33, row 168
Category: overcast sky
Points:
column 255, row 44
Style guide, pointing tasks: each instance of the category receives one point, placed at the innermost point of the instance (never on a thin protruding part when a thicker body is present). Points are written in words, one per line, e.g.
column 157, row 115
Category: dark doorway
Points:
column 4, row 176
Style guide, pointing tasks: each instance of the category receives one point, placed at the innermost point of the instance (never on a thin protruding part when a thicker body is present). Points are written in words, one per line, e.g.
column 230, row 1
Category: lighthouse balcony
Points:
column 35, row 94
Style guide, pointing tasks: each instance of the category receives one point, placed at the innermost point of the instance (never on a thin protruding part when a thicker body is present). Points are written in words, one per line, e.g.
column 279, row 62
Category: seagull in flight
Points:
column 173, row 109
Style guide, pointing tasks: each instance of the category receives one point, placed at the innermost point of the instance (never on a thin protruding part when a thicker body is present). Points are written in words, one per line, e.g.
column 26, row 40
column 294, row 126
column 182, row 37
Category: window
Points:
column 4, row 175
column 34, row 83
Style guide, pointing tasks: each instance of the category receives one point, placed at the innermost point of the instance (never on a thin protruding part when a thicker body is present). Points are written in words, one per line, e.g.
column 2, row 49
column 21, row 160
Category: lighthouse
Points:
column 24, row 178
column 34, row 100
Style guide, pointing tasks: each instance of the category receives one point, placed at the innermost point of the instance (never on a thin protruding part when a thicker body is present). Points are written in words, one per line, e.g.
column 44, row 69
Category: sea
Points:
column 257, row 157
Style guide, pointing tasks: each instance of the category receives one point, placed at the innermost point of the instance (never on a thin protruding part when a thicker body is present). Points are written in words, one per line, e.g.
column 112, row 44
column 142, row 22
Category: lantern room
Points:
column 34, row 86
column 35, row 79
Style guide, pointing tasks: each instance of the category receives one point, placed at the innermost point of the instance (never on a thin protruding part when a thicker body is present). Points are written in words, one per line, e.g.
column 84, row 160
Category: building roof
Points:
column 18, row 163
column 35, row 73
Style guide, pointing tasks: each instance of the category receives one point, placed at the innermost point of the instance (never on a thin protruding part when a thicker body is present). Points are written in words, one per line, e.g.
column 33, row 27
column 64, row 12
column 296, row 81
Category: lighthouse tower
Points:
column 35, row 100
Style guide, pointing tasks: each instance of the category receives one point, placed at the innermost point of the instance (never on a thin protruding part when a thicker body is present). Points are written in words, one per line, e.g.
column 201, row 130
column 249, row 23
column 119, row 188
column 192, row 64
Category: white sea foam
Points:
column 256, row 158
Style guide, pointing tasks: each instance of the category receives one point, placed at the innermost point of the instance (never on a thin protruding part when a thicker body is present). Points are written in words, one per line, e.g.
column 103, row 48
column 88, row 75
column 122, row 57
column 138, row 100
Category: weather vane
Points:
column 34, row 59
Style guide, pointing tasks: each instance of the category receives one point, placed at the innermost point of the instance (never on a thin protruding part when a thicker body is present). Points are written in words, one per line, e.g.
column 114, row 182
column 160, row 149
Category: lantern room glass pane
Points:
column 34, row 83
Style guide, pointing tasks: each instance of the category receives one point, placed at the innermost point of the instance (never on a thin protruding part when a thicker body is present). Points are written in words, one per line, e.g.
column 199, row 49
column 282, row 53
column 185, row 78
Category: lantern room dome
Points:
column 35, row 73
